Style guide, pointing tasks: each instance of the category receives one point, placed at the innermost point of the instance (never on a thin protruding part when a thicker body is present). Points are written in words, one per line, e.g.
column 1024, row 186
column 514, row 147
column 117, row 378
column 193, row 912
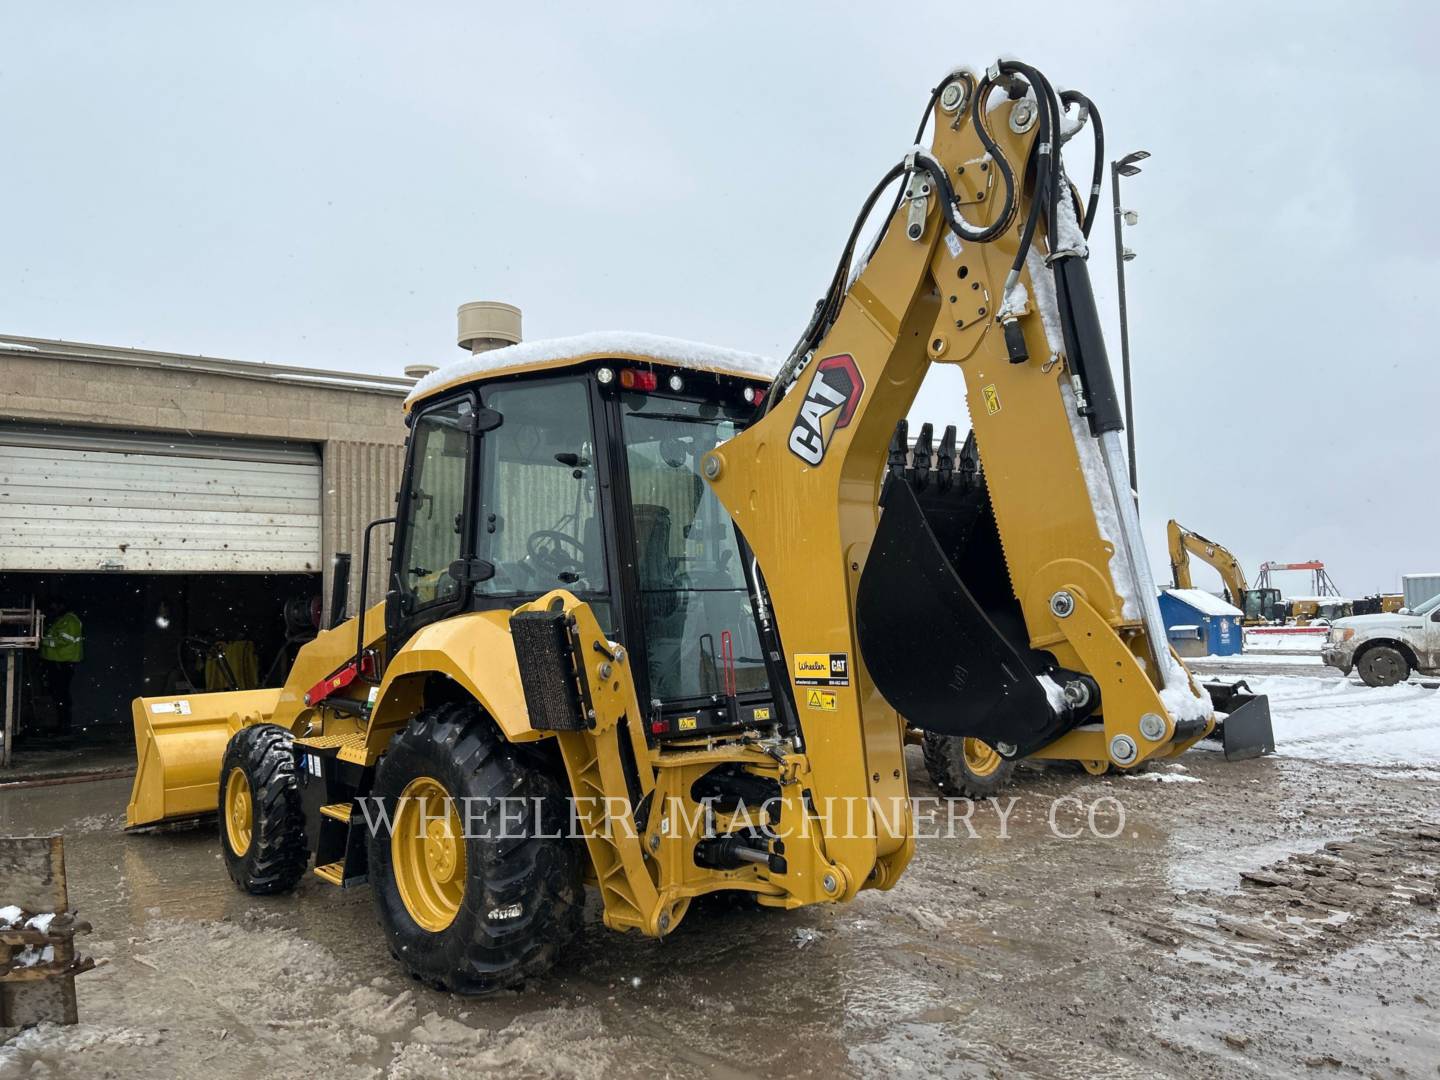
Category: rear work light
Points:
column 631, row 379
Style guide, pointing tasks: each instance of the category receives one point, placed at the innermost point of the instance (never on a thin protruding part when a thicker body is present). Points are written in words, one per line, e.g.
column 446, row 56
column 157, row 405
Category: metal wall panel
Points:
column 361, row 479
column 1420, row 587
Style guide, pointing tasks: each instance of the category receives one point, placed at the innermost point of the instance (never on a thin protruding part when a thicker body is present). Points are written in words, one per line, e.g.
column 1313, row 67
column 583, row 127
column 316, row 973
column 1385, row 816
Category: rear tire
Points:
column 262, row 824
column 966, row 768
column 485, row 911
column 1383, row 665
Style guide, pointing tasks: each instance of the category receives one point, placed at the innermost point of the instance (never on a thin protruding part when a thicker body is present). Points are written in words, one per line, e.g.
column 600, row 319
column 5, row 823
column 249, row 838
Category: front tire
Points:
column 968, row 768
column 1383, row 665
column 262, row 824
column 476, row 909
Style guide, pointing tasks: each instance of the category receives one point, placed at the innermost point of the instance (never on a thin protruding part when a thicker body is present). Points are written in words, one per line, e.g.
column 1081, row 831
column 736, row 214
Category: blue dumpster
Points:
column 1199, row 624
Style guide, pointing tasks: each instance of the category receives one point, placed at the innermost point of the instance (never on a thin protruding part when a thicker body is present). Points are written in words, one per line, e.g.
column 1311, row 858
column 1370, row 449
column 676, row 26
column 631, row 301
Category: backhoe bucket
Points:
column 1246, row 729
column 931, row 648
column 179, row 744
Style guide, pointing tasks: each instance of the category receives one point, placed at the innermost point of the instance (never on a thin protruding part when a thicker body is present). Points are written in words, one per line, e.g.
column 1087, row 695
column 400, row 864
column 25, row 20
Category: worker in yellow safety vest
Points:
column 61, row 649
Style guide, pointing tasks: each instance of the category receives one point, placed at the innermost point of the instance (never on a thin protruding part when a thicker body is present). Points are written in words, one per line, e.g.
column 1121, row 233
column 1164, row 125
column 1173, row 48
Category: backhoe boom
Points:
column 1076, row 635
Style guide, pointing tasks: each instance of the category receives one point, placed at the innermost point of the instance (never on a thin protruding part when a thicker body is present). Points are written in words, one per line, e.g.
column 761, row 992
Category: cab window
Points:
column 539, row 516
column 700, row 633
column 432, row 533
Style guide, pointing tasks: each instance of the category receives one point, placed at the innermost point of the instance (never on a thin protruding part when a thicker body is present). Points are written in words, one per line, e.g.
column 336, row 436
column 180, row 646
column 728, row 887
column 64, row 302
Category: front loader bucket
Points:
column 179, row 744
column 1246, row 729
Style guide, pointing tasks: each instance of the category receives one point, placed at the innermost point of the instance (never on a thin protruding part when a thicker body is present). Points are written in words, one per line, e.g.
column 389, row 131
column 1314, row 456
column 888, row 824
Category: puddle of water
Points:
column 1194, row 865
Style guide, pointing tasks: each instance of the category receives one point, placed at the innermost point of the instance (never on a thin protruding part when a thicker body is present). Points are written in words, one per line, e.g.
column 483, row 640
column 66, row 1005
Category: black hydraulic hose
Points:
column 827, row 310
column 1048, row 154
column 823, row 316
column 829, row 307
column 961, row 76
column 1027, row 237
column 1049, row 184
column 939, row 88
column 1069, row 97
column 1044, row 156
column 981, row 122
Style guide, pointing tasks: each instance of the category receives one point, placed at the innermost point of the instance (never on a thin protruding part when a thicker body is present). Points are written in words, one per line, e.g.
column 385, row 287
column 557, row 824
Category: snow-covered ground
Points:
column 1330, row 719
column 1267, row 657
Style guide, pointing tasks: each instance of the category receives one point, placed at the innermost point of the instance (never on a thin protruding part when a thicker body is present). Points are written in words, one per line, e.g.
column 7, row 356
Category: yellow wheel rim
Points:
column 981, row 758
column 239, row 811
column 427, row 850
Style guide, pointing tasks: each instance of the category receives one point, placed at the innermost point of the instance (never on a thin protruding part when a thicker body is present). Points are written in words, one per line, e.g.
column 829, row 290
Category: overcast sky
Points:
column 323, row 184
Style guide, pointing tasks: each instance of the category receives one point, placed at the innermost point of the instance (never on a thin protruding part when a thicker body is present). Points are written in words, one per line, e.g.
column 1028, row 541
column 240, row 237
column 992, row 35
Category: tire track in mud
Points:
column 1307, row 902
column 1331, row 937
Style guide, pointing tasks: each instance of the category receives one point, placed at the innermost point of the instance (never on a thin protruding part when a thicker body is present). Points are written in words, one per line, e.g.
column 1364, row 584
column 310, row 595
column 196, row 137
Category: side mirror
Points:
column 339, row 589
column 1406, row 611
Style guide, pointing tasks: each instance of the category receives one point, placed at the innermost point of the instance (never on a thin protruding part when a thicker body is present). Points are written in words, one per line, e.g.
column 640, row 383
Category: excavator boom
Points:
column 1185, row 542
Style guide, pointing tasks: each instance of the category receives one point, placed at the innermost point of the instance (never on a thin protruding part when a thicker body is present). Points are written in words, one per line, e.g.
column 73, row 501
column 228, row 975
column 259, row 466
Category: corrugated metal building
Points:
column 1419, row 587
column 173, row 494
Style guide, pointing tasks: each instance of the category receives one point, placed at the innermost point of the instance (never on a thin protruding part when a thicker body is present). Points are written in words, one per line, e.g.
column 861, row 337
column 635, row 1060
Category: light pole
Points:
column 1125, row 167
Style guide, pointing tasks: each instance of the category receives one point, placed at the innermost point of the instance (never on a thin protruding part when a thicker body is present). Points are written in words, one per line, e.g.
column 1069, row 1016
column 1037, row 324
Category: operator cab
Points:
column 582, row 472
column 1264, row 605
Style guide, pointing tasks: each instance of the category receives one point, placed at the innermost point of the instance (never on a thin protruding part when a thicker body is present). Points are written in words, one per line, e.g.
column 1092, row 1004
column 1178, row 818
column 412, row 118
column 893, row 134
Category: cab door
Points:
column 540, row 493
column 432, row 554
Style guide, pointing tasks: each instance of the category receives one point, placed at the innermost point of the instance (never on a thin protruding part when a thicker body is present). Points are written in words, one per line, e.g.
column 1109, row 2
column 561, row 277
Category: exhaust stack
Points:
column 487, row 324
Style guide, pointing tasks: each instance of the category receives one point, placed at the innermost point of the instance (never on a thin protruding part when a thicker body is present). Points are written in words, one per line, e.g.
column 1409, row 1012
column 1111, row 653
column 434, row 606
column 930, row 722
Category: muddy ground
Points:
column 1013, row 953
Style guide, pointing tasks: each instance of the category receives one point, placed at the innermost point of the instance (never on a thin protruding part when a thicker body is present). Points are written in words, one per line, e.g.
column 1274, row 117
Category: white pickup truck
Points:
column 1385, row 649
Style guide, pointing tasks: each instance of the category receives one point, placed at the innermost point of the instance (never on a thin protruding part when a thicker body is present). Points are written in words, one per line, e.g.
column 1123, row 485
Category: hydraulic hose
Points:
column 1049, row 188
column 1087, row 106
column 829, row 305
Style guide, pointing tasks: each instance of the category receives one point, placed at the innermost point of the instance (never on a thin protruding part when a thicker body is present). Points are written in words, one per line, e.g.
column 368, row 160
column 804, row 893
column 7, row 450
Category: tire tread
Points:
column 278, row 852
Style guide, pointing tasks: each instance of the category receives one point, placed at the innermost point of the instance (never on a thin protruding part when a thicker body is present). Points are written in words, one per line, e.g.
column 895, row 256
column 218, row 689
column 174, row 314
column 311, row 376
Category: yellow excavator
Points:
column 1260, row 606
column 658, row 615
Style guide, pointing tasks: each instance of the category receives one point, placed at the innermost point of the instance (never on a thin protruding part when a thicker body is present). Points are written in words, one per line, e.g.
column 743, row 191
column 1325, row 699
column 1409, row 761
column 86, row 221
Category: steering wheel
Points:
column 545, row 549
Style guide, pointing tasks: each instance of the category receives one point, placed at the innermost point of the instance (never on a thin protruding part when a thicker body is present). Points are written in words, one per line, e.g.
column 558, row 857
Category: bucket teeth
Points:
column 945, row 458
column 924, row 464
column 899, row 450
column 969, row 459
column 921, row 457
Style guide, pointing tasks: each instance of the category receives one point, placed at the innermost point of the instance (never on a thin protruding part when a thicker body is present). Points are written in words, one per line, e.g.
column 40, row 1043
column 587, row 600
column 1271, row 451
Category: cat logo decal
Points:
column 830, row 401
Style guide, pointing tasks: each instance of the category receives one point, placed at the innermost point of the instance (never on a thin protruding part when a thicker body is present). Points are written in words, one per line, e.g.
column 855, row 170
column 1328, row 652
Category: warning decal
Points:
column 992, row 399
column 822, row 669
column 824, row 700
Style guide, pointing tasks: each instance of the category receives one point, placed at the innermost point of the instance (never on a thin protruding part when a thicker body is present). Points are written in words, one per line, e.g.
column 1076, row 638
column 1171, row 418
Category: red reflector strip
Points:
column 658, row 727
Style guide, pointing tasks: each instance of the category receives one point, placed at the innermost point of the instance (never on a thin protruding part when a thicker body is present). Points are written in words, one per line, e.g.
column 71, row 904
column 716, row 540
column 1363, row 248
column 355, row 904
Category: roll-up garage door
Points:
column 76, row 500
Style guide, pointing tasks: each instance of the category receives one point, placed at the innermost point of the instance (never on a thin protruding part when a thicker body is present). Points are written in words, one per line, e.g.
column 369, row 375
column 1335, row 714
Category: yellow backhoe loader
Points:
column 656, row 621
column 1260, row 606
